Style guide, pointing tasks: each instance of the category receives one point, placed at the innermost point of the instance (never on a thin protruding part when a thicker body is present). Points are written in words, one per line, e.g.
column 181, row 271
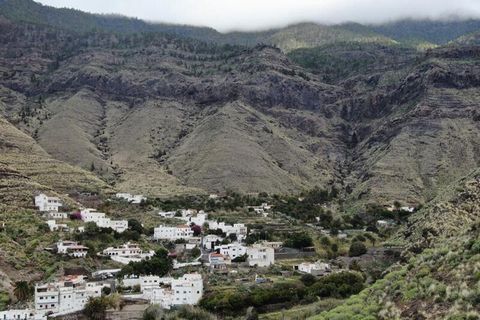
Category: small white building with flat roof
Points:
column 260, row 256
column 172, row 233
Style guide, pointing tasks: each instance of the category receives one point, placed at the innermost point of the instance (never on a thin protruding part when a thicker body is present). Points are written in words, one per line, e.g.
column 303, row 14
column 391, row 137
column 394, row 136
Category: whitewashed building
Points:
column 54, row 226
column 129, row 252
column 68, row 295
column 20, row 314
column 134, row 199
column 260, row 256
column 91, row 215
column 172, row 233
column 56, row 215
column 71, row 249
column 239, row 229
column 217, row 262
column 45, row 203
column 186, row 290
column 117, row 225
column 232, row 250
column 317, row 268
column 384, row 224
column 167, row 214
column 199, row 219
column 210, row 241
column 101, row 220
column 262, row 209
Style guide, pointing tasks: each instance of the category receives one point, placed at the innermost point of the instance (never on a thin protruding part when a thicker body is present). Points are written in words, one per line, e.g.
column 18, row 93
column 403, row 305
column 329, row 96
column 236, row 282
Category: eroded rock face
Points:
column 159, row 114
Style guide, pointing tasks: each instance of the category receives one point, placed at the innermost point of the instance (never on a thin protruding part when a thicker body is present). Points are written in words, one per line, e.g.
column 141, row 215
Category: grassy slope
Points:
column 27, row 168
column 442, row 282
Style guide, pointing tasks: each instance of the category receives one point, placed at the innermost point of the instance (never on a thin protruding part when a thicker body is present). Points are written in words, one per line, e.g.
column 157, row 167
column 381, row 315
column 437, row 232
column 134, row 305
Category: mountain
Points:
column 431, row 31
column 162, row 114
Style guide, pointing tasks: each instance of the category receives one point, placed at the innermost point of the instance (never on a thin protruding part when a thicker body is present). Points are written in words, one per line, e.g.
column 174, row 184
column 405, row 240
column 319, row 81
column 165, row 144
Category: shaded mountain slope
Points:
column 423, row 132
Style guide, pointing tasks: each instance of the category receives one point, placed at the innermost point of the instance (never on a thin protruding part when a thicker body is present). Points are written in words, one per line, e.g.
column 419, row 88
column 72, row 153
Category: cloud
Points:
column 248, row 15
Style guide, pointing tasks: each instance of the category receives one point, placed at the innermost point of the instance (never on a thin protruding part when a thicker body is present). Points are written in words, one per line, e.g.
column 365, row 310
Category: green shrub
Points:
column 357, row 248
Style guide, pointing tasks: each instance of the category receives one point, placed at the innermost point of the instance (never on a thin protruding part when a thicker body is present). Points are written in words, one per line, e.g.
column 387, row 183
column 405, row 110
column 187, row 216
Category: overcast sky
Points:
column 227, row 15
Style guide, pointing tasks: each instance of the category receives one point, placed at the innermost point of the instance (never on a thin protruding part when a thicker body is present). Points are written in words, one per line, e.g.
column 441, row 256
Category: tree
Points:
column 308, row 279
column 299, row 241
column 96, row 309
column 370, row 238
column 23, row 290
column 195, row 252
column 357, row 248
column 197, row 230
column 135, row 225
column 240, row 258
column 160, row 264
column 325, row 241
column 232, row 237
column 153, row 312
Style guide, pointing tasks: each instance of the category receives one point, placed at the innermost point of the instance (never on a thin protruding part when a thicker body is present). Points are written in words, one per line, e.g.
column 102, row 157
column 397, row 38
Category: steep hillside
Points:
column 442, row 282
column 25, row 169
column 141, row 116
column 338, row 61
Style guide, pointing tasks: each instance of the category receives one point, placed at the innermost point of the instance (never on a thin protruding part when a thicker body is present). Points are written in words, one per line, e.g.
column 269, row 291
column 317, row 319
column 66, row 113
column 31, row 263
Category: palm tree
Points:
column 23, row 290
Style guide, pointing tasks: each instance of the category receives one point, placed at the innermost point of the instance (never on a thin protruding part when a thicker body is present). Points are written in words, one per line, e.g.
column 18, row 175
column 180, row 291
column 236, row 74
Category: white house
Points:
column 54, row 226
column 262, row 209
column 261, row 256
column 72, row 249
column 408, row 209
column 384, row 224
column 92, row 215
column 68, row 295
column 209, row 241
column 167, row 214
column 317, row 268
column 22, row 314
column 217, row 262
column 172, row 233
column 56, row 215
column 239, row 228
column 101, row 220
column 45, row 203
column 199, row 219
column 185, row 290
column 117, row 225
column 129, row 252
column 153, row 282
column 135, row 199
column 232, row 250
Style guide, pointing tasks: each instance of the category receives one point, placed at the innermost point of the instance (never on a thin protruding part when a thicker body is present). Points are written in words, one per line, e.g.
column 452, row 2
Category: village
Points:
column 188, row 255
